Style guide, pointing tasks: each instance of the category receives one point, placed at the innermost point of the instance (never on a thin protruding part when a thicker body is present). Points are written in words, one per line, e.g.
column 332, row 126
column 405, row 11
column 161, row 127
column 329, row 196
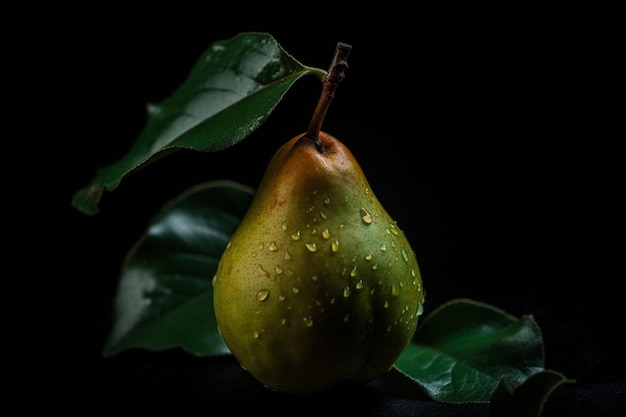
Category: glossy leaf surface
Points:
column 462, row 349
column 232, row 89
column 165, row 296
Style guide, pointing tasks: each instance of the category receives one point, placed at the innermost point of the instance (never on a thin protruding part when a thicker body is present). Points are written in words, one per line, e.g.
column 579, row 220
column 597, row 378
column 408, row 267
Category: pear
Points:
column 318, row 285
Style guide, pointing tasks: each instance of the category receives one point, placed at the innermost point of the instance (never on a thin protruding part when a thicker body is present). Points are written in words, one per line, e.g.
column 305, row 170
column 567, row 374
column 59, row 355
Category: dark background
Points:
column 484, row 133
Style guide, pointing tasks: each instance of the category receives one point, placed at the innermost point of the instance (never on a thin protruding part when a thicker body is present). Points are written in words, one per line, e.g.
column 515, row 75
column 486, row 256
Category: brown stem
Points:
column 335, row 74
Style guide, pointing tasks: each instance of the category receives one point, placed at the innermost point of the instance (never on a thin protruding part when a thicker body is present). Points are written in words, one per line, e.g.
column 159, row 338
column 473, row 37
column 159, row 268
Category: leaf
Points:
column 528, row 399
column 165, row 296
column 232, row 89
column 464, row 348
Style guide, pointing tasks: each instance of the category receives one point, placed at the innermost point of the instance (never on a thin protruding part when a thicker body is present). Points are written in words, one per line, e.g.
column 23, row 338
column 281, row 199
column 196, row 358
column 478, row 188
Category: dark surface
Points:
column 483, row 138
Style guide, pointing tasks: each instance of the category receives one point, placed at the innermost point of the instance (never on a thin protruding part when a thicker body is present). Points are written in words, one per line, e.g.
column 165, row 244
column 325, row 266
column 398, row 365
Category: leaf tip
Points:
column 86, row 199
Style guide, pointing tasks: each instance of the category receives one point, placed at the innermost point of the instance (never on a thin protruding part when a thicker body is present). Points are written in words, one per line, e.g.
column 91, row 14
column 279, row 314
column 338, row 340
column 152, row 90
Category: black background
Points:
column 483, row 133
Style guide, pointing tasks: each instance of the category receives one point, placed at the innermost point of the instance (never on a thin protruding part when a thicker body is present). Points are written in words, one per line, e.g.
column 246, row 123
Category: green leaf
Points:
column 528, row 399
column 464, row 348
column 232, row 89
column 165, row 296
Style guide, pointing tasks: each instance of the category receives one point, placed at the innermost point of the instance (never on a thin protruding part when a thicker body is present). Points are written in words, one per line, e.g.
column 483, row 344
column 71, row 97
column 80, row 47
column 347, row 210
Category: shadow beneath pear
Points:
column 177, row 382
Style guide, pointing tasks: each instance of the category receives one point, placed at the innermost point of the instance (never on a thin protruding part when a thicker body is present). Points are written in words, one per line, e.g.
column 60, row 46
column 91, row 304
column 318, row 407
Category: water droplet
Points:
column 367, row 191
column 375, row 267
column 359, row 284
column 346, row 292
column 255, row 334
column 297, row 235
column 405, row 256
column 228, row 244
column 287, row 256
column 278, row 270
column 314, row 277
column 365, row 216
column 327, row 201
column 262, row 294
column 314, row 231
column 420, row 309
column 310, row 209
column 263, row 271
column 272, row 247
column 281, row 298
column 295, row 290
column 325, row 234
column 284, row 227
column 312, row 247
column 394, row 291
column 261, row 246
column 213, row 280
column 386, row 304
column 315, row 192
column 393, row 229
column 368, row 257
column 335, row 246
column 344, row 272
column 283, row 321
column 383, row 247
column 353, row 273
column 308, row 321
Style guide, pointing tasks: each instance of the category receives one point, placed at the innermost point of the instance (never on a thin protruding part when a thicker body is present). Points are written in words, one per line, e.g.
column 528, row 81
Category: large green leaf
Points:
column 462, row 350
column 232, row 89
column 165, row 296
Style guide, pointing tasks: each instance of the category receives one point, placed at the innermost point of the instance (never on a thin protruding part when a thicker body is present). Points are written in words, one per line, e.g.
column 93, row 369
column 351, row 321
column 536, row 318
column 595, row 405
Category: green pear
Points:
column 318, row 285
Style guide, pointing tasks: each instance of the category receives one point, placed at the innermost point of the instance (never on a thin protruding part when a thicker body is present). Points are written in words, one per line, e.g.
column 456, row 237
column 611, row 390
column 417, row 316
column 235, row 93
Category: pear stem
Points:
column 335, row 74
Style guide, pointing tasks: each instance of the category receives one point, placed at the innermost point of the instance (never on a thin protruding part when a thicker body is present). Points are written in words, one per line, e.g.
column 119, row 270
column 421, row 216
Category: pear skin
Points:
column 318, row 285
